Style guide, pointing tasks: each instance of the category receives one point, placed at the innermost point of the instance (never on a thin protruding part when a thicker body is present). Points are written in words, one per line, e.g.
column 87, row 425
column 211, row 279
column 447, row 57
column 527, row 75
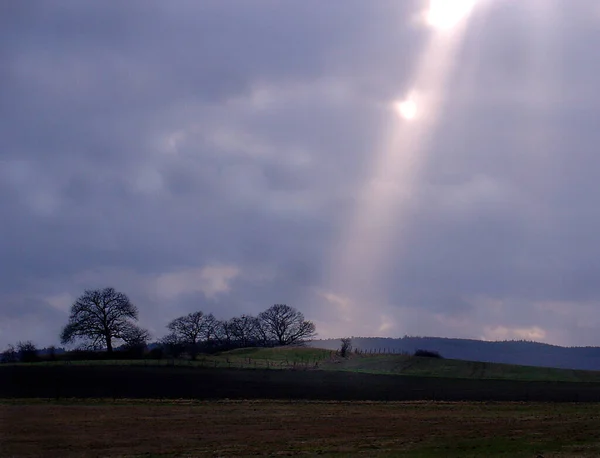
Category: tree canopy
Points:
column 284, row 325
column 101, row 316
column 189, row 330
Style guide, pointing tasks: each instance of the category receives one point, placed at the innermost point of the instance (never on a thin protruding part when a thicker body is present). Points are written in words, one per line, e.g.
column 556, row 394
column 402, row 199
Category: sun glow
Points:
column 407, row 109
column 447, row 14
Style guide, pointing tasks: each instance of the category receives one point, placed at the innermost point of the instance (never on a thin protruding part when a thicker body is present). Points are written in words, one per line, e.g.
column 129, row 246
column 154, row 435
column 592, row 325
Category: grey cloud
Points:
column 147, row 138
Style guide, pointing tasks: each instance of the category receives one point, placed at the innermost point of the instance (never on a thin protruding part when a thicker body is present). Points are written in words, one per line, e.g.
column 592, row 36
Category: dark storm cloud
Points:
column 91, row 95
column 208, row 154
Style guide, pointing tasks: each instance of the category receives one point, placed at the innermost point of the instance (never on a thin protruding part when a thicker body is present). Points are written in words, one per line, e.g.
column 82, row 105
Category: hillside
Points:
column 298, row 373
column 307, row 358
column 507, row 352
column 314, row 358
column 318, row 359
column 452, row 368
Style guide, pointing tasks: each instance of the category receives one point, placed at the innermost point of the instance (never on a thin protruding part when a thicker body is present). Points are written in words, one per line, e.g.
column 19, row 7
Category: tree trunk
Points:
column 109, row 347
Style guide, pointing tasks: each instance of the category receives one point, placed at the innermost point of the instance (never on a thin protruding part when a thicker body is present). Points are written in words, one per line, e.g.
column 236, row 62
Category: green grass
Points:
column 245, row 358
column 275, row 358
column 297, row 354
column 453, row 368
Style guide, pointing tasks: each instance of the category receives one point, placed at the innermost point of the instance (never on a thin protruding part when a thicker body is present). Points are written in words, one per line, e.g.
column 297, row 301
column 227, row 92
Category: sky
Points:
column 385, row 171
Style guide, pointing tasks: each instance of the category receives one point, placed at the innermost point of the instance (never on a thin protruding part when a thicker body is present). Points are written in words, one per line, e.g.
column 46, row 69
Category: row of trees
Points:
column 25, row 352
column 101, row 318
column 279, row 325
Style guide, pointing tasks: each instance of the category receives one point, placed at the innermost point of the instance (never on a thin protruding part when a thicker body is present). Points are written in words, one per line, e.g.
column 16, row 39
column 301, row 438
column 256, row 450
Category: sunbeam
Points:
column 385, row 199
column 447, row 14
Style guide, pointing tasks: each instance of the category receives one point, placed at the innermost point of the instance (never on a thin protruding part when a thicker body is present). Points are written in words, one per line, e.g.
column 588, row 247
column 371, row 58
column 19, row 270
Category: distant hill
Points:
column 395, row 364
column 508, row 352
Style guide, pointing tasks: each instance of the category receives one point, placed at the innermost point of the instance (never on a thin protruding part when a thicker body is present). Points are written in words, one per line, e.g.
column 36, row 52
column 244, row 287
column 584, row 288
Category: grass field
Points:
column 269, row 428
column 320, row 359
column 453, row 368
column 218, row 425
column 244, row 358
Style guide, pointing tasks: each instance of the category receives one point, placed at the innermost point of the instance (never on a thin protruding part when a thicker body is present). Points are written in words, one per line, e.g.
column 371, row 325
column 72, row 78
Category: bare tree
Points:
column 188, row 328
column 346, row 346
column 173, row 347
column 245, row 330
column 136, row 340
column 10, row 355
column 99, row 317
column 135, row 336
column 192, row 329
column 27, row 351
column 210, row 331
column 224, row 334
column 284, row 325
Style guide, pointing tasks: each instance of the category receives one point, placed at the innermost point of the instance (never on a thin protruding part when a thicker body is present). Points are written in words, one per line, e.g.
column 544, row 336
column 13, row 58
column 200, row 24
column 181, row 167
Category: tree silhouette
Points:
column 10, row 355
column 27, row 351
column 245, row 330
column 346, row 347
column 284, row 325
column 190, row 330
column 101, row 316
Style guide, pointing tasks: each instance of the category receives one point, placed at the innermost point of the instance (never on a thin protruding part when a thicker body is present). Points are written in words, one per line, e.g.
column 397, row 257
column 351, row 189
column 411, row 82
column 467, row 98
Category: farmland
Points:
column 298, row 373
column 243, row 428
column 193, row 382
column 299, row 358
column 297, row 401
